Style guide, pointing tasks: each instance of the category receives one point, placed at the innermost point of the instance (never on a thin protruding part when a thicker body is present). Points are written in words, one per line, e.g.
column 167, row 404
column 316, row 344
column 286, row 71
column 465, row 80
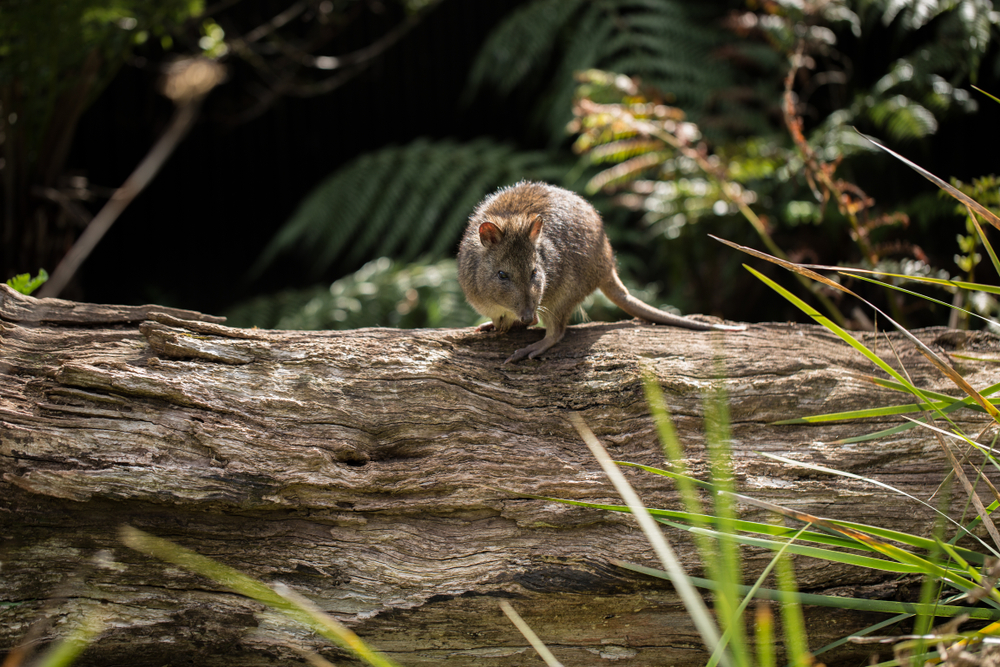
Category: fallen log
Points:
column 385, row 475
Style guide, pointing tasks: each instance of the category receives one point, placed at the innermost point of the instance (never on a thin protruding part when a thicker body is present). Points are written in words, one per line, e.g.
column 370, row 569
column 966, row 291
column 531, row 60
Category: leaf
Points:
column 849, row 270
column 899, row 537
column 986, row 241
column 25, row 284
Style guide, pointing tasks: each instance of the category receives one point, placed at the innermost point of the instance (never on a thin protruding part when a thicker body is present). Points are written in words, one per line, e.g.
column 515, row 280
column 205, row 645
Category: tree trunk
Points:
column 384, row 474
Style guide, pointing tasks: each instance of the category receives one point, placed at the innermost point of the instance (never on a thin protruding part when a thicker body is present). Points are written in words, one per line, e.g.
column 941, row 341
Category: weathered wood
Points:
column 380, row 473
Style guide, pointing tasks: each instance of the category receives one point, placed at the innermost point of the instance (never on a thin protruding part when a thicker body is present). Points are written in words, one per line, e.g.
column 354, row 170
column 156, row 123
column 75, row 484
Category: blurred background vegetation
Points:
column 329, row 177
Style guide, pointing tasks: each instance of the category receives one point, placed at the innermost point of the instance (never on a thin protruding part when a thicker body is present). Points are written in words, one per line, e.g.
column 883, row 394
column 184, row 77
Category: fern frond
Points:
column 627, row 171
column 401, row 201
column 342, row 197
column 513, row 51
column 582, row 52
column 618, row 151
column 668, row 43
column 902, row 118
column 394, row 200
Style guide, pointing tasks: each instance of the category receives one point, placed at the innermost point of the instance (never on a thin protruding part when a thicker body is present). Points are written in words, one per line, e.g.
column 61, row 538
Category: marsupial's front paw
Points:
column 531, row 351
column 517, row 356
column 489, row 326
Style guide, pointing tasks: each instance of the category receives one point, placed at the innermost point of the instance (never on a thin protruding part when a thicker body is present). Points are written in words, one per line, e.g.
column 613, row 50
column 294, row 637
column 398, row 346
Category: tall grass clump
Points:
column 956, row 585
column 959, row 583
column 951, row 574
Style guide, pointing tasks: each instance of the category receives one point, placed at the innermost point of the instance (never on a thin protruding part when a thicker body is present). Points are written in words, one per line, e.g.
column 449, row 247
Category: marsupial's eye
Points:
column 502, row 275
column 534, row 272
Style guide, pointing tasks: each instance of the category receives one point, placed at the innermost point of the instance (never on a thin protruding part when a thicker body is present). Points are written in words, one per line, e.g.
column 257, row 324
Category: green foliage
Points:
column 401, row 201
column 909, row 101
column 670, row 44
column 986, row 191
column 25, row 284
column 382, row 293
column 951, row 573
column 719, row 78
column 51, row 48
column 414, row 200
column 666, row 167
column 714, row 533
column 719, row 533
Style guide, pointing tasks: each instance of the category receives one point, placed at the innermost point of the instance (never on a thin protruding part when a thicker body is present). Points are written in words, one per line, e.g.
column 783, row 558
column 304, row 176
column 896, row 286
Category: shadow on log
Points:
column 378, row 472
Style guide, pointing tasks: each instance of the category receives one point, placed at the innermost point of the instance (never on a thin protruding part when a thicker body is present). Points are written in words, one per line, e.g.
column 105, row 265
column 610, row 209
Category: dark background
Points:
column 188, row 240
column 190, row 237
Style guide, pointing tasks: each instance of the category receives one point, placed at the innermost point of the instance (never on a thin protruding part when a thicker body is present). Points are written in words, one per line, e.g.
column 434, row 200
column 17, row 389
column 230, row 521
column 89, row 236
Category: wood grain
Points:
column 383, row 474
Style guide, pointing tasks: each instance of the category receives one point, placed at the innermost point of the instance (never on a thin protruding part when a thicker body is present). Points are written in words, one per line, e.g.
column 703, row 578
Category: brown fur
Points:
column 536, row 247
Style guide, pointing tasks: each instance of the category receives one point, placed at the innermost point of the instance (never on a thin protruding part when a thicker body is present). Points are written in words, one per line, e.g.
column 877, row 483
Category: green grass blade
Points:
column 834, row 540
column 989, row 452
column 708, row 486
column 898, row 537
column 986, row 241
column 928, row 567
column 968, row 400
column 745, row 526
column 986, row 94
column 832, row 326
column 692, row 601
column 722, row 557
column 944, row 282
column 850, row 415
column 987, row 214
column 756, row 527
column 812, row 552
column 861, row 633
column 969, row 570
column 672, row 448
column 931, row 299
column 663, row 516
column 969, row 357
column 885, row 606
column 931, row 356
column 66, row 650
column 750, row 595
column 863, row 538
column 913, row 541
column 792, row 621
column 764, row 635
column 972, row 524
column 877, row 434
column 857, row 271
column 529, row 634
column 943, row 403
column 224, row 575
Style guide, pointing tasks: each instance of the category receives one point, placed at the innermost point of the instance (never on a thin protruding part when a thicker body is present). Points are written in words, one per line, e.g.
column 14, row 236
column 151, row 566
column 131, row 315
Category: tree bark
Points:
column 384, row 474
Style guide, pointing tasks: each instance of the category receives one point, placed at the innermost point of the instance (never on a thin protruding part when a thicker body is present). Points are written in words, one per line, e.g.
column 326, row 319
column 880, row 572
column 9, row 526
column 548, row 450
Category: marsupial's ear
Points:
column 489, row 234
column 536, row 227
